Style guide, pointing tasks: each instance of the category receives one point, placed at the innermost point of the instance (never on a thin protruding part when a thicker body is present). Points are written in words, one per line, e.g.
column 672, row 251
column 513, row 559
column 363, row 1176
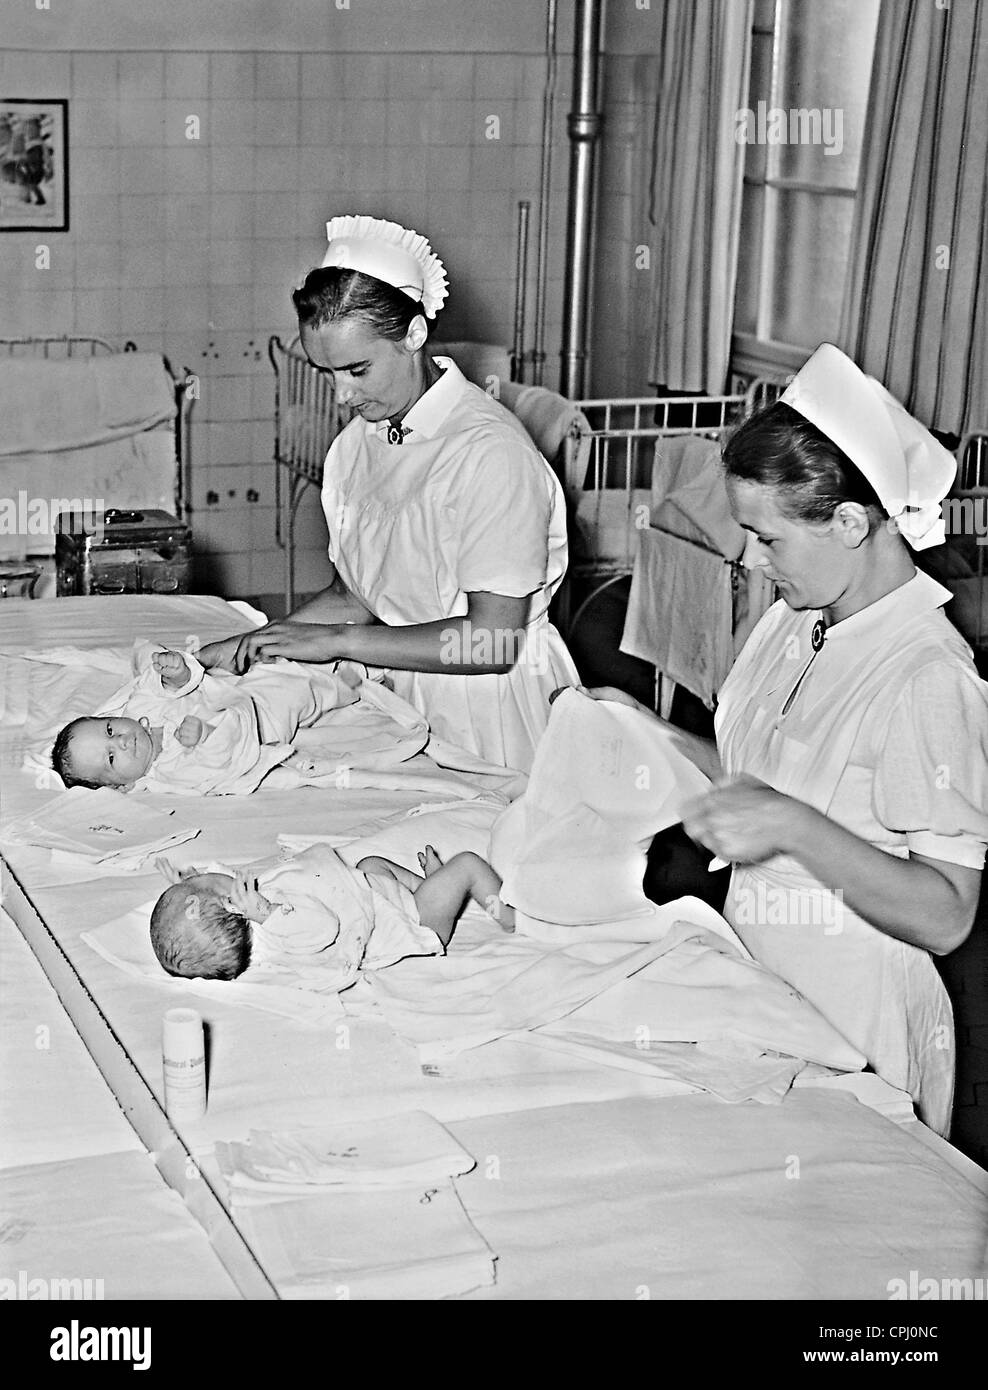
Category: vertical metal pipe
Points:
column 545, row 193
column 584, row 128
column 521, row 288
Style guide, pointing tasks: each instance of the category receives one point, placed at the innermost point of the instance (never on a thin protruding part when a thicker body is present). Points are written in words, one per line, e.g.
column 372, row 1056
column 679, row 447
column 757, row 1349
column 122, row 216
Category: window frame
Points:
column 759, row 354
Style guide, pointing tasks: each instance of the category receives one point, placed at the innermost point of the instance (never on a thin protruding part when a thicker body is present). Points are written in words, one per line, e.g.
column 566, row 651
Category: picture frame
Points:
column 34, row 165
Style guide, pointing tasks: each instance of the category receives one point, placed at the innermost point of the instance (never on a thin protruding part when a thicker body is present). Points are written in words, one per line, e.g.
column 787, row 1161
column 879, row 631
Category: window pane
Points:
column 749, row 256
column 825, row 69
column 812, row 239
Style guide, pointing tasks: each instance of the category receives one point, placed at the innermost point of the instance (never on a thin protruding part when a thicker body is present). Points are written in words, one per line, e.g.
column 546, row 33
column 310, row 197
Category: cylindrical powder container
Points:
column 183, row 1054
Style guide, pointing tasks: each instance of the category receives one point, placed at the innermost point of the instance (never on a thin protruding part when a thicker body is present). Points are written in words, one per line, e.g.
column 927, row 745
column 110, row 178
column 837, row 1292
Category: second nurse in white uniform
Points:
column 853, row 727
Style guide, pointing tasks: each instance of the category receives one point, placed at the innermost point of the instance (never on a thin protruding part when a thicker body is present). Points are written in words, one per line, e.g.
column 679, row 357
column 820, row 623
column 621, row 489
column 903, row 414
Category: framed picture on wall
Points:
column 34, row 165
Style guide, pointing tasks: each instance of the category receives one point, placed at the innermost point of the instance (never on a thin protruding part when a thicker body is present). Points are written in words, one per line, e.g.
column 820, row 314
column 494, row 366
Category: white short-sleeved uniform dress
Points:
column 465, row 503
column 887, row 734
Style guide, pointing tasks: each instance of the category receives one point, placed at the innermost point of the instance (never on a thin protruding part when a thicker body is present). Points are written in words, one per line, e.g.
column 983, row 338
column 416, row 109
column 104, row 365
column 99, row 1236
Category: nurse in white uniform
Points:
column 852, row 732
column 447, row 528
column 856, row 705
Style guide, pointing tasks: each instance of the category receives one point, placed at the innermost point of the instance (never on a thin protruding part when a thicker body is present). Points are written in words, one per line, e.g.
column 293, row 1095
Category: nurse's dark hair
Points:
column 330, row 293
column 782, row 450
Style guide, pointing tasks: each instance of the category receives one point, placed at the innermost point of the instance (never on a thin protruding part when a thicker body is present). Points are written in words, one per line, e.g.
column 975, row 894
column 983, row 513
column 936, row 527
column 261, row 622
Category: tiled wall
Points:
column 190, row 247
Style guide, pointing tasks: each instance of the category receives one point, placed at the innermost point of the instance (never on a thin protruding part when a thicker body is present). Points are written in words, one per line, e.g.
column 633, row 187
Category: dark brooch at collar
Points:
column 396, row 433
column 818, row 635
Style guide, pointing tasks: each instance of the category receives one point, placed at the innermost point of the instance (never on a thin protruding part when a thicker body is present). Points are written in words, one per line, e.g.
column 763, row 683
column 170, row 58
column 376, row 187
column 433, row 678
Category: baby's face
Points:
column 112, row 751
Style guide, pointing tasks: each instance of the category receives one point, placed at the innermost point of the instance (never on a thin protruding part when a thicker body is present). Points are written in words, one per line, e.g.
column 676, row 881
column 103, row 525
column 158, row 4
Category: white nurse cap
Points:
column 908, row 469
column 385, row 251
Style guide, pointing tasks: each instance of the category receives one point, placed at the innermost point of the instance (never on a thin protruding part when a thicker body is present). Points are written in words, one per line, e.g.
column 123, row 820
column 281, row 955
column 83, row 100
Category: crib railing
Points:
column 607, row 474
column 75, row 346
column 306, row 421
column 623, row 433
column 59, row 348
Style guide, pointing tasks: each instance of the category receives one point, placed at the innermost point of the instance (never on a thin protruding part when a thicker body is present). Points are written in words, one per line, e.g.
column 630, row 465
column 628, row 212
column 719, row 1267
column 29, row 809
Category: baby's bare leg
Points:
column 442, row 896
column 375, row 864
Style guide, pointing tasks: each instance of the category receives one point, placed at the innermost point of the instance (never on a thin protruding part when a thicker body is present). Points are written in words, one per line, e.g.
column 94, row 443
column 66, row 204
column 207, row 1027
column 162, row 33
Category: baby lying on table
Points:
column 178, row 728
column 316, row 918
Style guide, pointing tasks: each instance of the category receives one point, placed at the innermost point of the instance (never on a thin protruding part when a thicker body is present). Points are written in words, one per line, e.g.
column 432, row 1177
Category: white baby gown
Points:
column 253, row 719
column 331, row 921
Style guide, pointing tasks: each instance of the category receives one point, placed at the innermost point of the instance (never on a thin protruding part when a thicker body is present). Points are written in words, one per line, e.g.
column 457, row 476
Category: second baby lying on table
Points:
column 315, row 918
column 178, row 728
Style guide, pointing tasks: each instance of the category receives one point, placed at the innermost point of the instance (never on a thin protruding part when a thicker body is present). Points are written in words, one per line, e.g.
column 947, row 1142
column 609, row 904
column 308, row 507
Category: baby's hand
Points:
column 172, row 872
column 168, row 870
column 245, row 898
column 172, row 668
column 190, row 731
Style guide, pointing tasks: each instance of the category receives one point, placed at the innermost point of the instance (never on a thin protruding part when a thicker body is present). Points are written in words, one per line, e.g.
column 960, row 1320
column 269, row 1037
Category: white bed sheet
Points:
column 568, row 1121
column 684, row 1198
column 63, row 1141
column 54, row 1105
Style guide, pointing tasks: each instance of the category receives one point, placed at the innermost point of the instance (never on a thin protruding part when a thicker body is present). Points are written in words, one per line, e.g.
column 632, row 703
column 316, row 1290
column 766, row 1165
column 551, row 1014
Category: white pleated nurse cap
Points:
column 388, row 252
column 909, row 470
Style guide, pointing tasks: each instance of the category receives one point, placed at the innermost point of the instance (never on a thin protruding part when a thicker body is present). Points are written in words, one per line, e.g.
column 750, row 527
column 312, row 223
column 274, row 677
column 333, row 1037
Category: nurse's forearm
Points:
column 905, row 898
column 702, row 751
column 453, row 646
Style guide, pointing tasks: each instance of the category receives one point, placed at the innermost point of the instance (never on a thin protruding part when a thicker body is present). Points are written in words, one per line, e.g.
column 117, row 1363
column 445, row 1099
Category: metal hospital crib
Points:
column 155, row 477
column 70, row 346
column 610, row 477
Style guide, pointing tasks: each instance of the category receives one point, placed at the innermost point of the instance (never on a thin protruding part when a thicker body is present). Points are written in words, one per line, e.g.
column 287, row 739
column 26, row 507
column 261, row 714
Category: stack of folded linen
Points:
column 360, row 1210
column 100, row 826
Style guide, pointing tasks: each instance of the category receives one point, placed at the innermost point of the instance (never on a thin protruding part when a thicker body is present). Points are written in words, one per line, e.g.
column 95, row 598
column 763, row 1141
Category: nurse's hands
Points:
column 219, row 656
column 744, row 821
column 296, row 641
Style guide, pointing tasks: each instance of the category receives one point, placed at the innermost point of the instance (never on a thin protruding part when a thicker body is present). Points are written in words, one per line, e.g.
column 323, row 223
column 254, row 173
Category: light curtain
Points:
column 915, row 312
column 695, row 194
